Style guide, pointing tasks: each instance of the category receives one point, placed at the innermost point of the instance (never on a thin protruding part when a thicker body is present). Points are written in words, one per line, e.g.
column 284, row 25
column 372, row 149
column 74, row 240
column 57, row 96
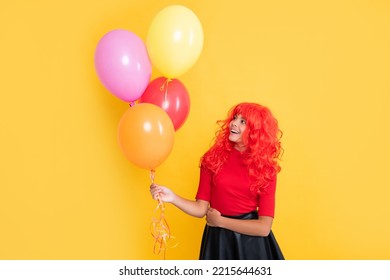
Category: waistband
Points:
column 247, row 216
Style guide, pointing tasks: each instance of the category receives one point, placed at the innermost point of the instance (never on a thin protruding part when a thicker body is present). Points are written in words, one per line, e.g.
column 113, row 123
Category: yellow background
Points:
column 323, row 67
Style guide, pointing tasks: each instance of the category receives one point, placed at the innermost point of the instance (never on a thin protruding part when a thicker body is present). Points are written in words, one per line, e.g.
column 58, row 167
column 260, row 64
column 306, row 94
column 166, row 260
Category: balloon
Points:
column 174, row 40
column 146, row 135
column 171, row 96
column 122, row 64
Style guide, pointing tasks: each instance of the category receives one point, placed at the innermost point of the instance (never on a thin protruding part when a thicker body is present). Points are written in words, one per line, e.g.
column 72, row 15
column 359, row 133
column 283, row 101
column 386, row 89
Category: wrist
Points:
column 174, row 199
column 221, row 222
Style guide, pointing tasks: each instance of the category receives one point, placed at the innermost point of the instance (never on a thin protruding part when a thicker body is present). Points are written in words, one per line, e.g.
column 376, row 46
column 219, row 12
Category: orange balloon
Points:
column 146, row 135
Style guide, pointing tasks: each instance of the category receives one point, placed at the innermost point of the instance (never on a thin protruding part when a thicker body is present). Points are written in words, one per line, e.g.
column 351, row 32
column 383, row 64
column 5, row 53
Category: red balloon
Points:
column 170, row 95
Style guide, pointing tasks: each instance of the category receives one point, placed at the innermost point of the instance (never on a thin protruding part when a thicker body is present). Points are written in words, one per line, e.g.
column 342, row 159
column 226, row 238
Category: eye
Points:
column 243, row 121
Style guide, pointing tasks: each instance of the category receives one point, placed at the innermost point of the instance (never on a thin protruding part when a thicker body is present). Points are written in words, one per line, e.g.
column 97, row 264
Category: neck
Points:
column 240, row 147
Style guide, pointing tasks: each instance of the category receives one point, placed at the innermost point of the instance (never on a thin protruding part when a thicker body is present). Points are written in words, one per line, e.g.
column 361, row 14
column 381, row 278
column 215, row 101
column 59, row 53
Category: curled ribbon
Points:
column 165, row 104
column 159, row 228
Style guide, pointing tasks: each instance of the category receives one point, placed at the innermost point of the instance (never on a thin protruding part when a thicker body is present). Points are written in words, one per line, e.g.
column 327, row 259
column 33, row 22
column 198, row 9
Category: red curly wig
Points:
column 261, row 138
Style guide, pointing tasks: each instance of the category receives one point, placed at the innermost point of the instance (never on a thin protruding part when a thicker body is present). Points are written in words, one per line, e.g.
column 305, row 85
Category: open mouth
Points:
column 234, row 131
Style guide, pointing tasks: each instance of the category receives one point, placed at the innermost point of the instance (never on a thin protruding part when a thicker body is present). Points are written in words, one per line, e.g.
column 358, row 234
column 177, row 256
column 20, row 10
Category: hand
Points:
column 213, row 217
column 161, row 193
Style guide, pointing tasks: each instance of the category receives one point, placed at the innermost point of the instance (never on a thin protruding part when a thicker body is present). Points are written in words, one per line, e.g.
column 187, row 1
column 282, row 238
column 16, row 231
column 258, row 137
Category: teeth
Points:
column 234, row 131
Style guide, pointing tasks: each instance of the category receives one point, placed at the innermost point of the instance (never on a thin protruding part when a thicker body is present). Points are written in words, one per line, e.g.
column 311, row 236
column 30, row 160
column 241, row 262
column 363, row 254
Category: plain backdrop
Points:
column 322, row 67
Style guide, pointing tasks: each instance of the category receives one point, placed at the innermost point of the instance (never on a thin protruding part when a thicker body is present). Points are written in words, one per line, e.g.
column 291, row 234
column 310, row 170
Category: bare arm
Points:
column 196, row 208
column 260, row 227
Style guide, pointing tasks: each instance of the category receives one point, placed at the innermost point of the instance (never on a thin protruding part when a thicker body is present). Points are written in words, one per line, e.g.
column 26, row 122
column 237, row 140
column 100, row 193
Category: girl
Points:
column 237, row 186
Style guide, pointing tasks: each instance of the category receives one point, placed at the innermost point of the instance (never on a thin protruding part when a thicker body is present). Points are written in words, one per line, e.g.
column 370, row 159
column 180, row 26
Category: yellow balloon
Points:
column 174, row 40
column 146, row 135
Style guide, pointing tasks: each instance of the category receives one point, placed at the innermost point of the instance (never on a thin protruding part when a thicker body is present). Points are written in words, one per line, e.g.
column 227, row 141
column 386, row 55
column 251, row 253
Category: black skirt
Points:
column 223, row 244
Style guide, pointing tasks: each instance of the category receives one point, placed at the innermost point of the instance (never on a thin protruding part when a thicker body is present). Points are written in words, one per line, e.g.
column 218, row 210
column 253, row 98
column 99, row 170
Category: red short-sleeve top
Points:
column 229, row 190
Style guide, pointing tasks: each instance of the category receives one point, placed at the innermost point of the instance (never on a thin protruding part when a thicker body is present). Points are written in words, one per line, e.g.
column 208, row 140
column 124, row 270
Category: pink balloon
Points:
column 123, row 65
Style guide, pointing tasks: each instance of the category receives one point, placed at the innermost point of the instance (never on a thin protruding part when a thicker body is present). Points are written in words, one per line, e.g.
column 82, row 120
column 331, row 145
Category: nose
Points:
column 235, row 123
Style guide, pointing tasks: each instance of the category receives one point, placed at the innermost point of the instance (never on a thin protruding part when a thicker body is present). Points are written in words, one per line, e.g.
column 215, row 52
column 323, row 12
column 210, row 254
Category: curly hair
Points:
column 261, row 138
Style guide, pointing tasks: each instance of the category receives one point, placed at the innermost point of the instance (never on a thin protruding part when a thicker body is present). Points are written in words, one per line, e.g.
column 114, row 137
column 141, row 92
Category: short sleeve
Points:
column 267, row 200
column 204, row 188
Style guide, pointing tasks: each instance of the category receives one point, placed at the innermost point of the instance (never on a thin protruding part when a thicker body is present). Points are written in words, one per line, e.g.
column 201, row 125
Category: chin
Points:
column 234, row 139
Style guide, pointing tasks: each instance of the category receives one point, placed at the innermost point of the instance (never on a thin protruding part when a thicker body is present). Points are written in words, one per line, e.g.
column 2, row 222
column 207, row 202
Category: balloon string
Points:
column 160, row 228
column 165, row 85
column 152, row 175
column 167, row 81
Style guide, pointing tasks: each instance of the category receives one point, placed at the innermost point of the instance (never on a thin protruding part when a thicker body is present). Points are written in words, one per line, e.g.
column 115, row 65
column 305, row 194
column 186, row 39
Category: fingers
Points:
column 211, row 211
column 155, row 191
column 212, row 217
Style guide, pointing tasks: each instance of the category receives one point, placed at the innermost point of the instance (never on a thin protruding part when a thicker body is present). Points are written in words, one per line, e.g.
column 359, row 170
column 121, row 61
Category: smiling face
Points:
column 237, row 127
